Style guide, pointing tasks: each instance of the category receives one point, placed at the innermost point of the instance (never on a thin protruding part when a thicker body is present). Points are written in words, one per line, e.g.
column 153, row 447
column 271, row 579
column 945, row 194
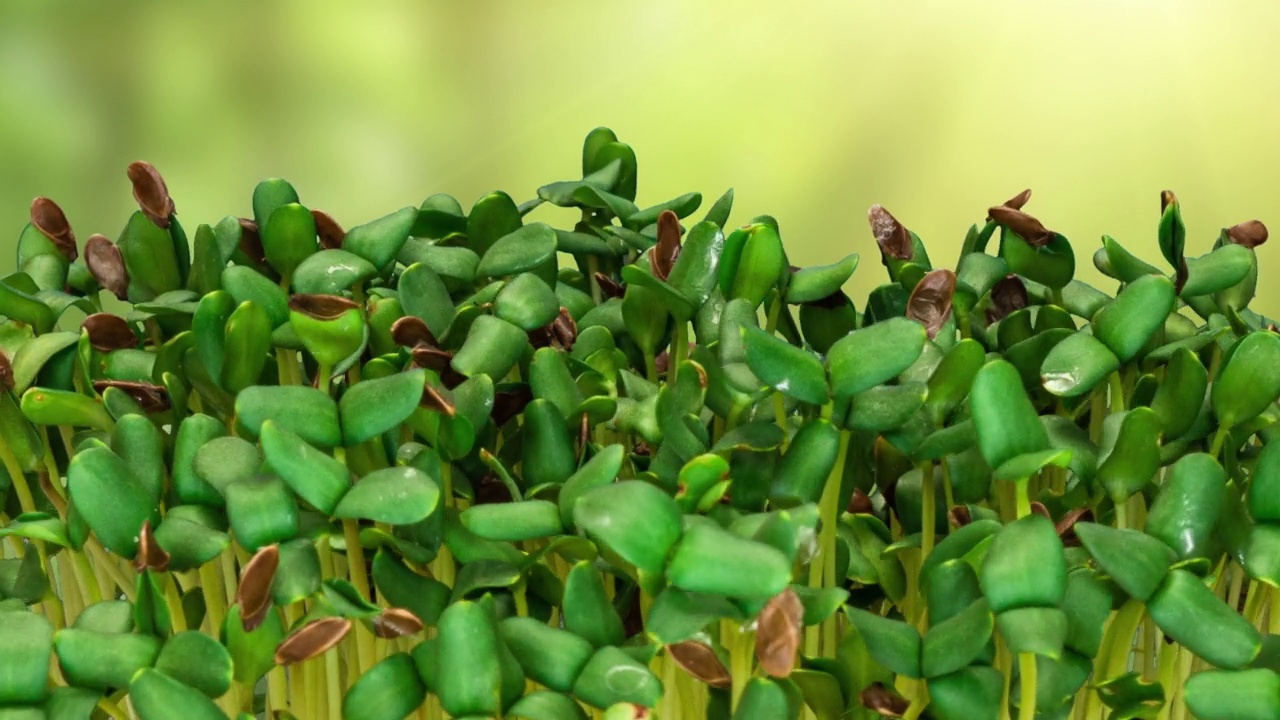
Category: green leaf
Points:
column 396, row 496
column 788, row 369
column 1247, row 384
column 1137, row 313
column 952, row 379
column 1180, row 395
column 493, row 346
column 379, row 241
column 1130, row 453
column 1052, row 264
column 438, row 216
column 636, row 520
column 248, row 285
column 514, row 522
column 1022, row 467
column 33, row 355
column 193, row 433
column 38, row 526
column 149, row 257
column 869, row 357
column 1038, row 630
column 694, row 274
column 549, row 656
column 102, row 661
column 196, row 660
column 715, row 561
column 317, row 478
column 424, row 295
column 885, row 408
column 1077, row 365
column 1005, row 421
column 1191, row 499
column 545, row 705
column 44, row 406
column 225, row 460
column 952, row 644
column 752, row 263
column 1191, row 614
column 816, row 283
column 1025, row 566
column 599, row 471
column 26, row 645
column 252, row 653
column 189, row 544
column 1219, row 270
column 611, row 676
column 248, row 340
column 1234, row 695
column 974, row 692
column 288, row 237
column 111, row 499
column 520, row 251
column 390, row 690
column 1137, row 562
column 802, row 474
column 261, row 511
column 468, row 683
column 154, row 695
column 373, row 407
column 683, row 206
column 589, row 614
column 892, row 643
column 305, row 411
column 330, row 272
column 401, row 587
column 527, row 302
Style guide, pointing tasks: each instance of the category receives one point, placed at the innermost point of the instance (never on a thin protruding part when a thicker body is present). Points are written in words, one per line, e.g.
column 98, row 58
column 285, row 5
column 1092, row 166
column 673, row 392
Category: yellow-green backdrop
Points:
column 811, row 110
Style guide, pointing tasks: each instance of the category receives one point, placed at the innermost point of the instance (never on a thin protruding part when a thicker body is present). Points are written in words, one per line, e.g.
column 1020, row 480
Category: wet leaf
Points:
column 1077, row 365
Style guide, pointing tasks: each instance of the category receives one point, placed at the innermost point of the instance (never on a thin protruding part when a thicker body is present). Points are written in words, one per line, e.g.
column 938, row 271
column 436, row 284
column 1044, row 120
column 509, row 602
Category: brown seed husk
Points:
column 251, row 242
column 150, row 555
column 6, row 373
column 1007, row 296
column 151, row 398
column 884, row 701
column 1167, row 198
column 396, row 622
column 434, row 399
column 859, row 503
column 410, row 331
column 321, row 307
column 778, row 633
column 312, row 640
column 1025, row 226
column 609, row 288
column 930, row 301
column 892, row 236
column 509, row 403
column 565, row 329
column 254, row 592
column 151, row 192
column 1017, row 202
column 1250, row 234
column 959, row 516
column 700, row 661
column 49, row 219
column 663, row 256
column 105, row 263
column 330, row 232
column 1066, row 525
column 109, row 332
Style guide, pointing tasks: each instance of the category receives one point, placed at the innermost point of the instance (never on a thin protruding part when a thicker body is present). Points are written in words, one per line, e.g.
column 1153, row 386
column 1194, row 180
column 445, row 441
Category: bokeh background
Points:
column 811, row 110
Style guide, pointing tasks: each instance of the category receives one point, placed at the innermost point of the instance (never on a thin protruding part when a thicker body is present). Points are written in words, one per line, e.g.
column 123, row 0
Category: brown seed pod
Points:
column 251, row 242
column 959, row 516
column 254, row 592
column 1167, row 198
column 930, row 301
column 1017, row 202
column 884, row 701
column 49, row 219
column 151, row 193
column 1066, row 525
column 313, row 640
column 150, row 555
column 330, row 232
column 410, row 331
column 109, row 332
column 1007, row 296
column 434, row 399
column 321, row 307
column 609, row 288
column 700, row 661
column 859, row 503
column 892, row 236
column 1250, row 234
column 1025, row 226
column 565, row 329
column 106, row 264
column 510, row 402
column 396, row 622
column 6, row 373
column 152, row 398
column 663, row 255
column 778, row 633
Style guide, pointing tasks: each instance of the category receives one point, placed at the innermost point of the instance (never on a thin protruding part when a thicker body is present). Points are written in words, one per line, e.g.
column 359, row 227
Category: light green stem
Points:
column 1027, row 703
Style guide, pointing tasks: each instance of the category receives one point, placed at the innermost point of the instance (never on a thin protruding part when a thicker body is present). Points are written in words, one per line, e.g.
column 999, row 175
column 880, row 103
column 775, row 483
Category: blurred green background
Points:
column 812, row 111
